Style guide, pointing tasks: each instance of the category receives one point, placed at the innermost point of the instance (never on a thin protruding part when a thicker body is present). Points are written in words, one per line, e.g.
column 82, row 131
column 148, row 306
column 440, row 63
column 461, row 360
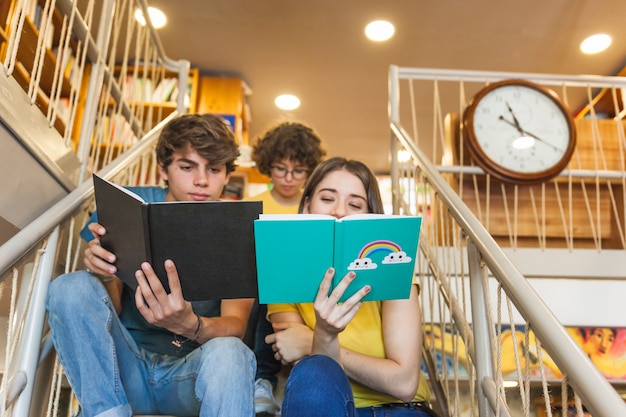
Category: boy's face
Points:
column 191, row 178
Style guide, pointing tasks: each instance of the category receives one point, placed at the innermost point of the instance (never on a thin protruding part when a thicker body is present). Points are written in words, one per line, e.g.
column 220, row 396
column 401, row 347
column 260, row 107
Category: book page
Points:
column 368, row 216
column 295, row 217
column 124, row 190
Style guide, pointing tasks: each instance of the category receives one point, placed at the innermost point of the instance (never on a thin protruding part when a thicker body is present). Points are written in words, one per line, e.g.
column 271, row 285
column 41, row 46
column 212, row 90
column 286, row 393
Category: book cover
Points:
column 294, row 251
column 211, row 243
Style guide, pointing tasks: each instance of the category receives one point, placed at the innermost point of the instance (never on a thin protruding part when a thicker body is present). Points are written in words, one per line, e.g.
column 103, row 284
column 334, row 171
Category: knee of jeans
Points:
column 69, row 289
column 319, row 366
column 228, row 350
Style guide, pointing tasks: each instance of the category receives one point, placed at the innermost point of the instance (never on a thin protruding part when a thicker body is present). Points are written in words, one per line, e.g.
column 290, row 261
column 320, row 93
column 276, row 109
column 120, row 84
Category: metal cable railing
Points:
column 484, row 322
column 81, row 104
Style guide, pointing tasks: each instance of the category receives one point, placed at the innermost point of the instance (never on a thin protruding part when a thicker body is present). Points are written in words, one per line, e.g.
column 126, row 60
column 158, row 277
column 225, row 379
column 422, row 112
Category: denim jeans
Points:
column 318, row 387
column 267, row 367
column 113, row 377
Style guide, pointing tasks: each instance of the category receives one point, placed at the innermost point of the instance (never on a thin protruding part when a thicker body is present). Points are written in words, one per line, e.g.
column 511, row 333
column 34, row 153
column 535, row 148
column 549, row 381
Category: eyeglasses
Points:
column 296, row 174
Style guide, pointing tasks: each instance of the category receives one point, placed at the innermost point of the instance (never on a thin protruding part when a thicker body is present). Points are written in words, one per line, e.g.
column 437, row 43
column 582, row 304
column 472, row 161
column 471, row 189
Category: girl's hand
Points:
column 290, row 342
column 332, row 318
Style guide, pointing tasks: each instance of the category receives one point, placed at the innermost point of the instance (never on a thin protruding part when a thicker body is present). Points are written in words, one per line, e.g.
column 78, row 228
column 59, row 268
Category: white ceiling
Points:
column 316, row 49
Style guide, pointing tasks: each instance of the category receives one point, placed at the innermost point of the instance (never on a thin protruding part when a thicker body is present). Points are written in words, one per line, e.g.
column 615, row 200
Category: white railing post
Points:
column 483, row 358
column 30, row 342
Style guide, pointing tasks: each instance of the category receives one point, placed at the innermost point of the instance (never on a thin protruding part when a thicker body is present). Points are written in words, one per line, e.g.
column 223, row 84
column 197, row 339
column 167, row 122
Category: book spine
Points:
column 339, row 253
column 147, row 234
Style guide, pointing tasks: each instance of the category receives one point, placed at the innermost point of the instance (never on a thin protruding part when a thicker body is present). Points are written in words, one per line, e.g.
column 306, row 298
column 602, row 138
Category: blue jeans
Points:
column 113, row 377
column 318, row 387
column 267, row 367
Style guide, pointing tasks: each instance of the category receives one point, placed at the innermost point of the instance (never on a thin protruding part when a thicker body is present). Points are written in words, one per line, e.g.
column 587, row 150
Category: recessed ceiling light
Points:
column 287, row 102
column 595, row 43
column 156, row 16
column 379, row 30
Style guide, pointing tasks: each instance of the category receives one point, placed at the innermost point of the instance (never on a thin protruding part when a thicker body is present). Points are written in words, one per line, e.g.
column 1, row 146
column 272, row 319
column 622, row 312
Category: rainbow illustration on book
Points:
column 393, row 255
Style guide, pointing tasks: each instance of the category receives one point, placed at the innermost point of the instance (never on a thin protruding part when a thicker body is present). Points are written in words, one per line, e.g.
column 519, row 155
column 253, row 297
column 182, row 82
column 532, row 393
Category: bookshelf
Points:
column 25, row 58
column 227, row 97
column 149, row 90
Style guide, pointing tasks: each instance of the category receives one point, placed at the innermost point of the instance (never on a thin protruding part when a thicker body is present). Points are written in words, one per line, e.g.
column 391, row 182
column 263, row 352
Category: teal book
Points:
column 294, row 251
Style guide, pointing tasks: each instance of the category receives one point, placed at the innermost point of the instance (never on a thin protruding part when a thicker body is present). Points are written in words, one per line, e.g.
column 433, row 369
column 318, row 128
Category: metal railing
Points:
column 82, row 101
column 473, row 295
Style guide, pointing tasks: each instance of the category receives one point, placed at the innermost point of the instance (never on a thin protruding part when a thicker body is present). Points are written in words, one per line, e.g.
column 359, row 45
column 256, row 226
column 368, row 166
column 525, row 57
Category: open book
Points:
column 211, row 243
column 294, row 251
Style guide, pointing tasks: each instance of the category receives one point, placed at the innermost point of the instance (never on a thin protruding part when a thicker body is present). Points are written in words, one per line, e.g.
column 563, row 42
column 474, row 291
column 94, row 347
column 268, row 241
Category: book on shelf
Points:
column 211, row 243
column 164, row 90
column 294, row 251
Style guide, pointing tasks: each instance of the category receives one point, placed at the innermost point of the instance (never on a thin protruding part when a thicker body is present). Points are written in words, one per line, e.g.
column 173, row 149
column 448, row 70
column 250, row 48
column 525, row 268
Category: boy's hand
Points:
column 98, row 260
column 159, row 308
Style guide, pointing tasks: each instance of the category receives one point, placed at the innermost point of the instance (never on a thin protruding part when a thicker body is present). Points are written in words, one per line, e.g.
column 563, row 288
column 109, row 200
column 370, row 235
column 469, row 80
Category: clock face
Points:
column 519, row 131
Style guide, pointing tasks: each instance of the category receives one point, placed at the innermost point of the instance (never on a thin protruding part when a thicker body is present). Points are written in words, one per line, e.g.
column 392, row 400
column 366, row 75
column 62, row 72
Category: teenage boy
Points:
column 131, row 352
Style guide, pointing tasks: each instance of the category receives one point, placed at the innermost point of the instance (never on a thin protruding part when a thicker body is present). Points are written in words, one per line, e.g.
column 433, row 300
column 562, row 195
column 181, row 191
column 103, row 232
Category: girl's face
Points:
column 601, row 340
column 339, row 194
column 288, row 177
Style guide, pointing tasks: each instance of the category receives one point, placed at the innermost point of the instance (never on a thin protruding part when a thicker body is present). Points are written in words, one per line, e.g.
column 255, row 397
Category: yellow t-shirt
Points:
column 364, row 335
column 271, row 206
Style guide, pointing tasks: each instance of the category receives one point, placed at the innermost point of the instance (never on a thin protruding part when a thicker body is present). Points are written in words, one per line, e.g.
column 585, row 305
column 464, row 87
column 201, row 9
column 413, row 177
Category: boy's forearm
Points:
column 232, row 322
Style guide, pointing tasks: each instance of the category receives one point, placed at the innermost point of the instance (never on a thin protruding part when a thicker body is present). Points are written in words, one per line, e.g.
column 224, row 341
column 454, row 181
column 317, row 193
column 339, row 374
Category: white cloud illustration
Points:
column 397, row 258
column 361, row 264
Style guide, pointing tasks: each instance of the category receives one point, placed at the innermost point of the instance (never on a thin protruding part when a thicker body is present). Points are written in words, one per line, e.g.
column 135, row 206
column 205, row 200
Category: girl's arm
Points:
column 293, row 340
column 402, row 335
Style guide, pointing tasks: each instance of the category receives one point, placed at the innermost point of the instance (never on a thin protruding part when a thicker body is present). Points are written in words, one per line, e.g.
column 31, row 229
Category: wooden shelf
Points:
column 42, row 101
column 25, row 55
column 475, row 192
column 227, row 97
column 252, row 175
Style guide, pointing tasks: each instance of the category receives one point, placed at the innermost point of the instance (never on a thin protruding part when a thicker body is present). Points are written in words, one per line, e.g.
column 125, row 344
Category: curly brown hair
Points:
column 288, row 140
column 208, row 134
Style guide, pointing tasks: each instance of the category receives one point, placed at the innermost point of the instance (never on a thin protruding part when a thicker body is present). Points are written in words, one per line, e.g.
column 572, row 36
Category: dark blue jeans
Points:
column 258, row 327
column 318, row 387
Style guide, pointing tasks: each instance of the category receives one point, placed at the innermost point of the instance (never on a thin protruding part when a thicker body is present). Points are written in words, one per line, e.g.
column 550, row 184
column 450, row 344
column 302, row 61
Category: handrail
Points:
column 490, row 76
column 20, row 244
column 103, row 105
column 595, row 390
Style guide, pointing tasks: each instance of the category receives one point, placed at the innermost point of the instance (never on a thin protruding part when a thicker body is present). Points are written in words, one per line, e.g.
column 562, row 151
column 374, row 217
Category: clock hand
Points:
column 532, row 135
column 517, row 125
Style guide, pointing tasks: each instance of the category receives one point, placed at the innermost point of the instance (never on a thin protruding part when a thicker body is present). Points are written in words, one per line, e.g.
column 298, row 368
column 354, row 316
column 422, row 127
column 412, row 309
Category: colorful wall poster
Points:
column 605, row 346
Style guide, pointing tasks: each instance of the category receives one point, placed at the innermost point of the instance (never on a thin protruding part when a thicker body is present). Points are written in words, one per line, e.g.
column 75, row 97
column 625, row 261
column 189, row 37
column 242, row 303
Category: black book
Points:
column 211, row 243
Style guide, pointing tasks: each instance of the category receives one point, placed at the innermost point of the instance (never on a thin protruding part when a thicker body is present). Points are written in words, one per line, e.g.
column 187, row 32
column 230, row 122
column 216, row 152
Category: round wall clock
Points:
column 519, row 132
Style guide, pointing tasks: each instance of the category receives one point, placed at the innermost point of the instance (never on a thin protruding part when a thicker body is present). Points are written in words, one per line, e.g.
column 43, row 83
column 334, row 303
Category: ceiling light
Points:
column 595, row 43
column 510, row 384
column 379, row 30
column 157, row 17
column 287, row 102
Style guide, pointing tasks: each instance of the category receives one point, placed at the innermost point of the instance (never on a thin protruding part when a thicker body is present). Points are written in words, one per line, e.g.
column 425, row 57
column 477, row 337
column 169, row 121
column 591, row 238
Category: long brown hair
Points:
column 359, row 169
